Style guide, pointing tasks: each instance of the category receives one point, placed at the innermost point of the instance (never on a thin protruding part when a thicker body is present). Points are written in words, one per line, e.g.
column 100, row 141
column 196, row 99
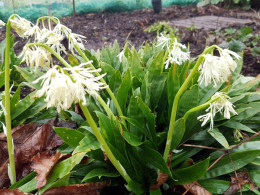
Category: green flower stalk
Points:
column 212, row 68
column 11, row 166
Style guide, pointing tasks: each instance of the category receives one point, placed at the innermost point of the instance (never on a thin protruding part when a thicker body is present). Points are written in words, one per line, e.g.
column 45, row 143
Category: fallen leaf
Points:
column 196, row 189
column 77, row 189
column 12, row 192
column 29, row 139
column 42, row 164
column 161, row 179
column 238, row 180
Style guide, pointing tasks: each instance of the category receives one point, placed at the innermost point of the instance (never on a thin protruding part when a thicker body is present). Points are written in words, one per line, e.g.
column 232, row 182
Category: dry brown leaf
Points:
column 42, row 165
column 161, row 179
column 77, row 189
column 196, row 189
column 12, row 192
column 29, row 139
column 237, row 182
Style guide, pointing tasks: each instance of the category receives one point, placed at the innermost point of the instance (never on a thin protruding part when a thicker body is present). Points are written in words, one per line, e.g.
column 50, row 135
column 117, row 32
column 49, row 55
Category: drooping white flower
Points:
column 36, row 56
column 176, row 55
column 223, row 104
column 58, row 89
column 210, row 70
column 2, row 23
column 163, row 41
column 21, row 26
column 217, row 69
column 85, row 81
column 121, row 55
column 220, row 105
column 75, row 39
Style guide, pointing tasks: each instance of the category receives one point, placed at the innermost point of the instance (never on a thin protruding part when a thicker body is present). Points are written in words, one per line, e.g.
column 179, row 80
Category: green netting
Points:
column 31, row 10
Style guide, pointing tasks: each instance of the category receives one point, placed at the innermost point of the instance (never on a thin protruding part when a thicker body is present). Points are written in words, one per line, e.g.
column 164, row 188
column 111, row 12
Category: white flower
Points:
column 85, row 81
column 36, row 56
column 210, row 71
column 75, row 39
column 223, row 103
column 21, row 26
column 2, row 23
column 72, row 37
column 163, row 41
column 58, row 89
column 176, row 55
column 217, row 69
column 220, row 104
column 121, row 55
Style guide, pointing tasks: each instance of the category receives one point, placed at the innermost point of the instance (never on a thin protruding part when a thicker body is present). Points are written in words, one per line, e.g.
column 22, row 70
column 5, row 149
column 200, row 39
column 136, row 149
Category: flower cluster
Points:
column 63, row 88
column 51, row 38
column 221, row 105
column 163, row 41
column 177, row 55
column 217, row 68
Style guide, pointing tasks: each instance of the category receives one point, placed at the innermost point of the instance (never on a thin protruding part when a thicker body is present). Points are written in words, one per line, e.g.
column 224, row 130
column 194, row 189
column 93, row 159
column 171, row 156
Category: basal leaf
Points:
column 88, row 143
column 219, row 137
column 71, row 137
column 115, row 81
column 101, row 172
column 179, row 130
column 224, row 166
column 123, row 90
column 132, row 139
column 237, row 125
column 190, row 174
column 215, row 186
column 16, row 97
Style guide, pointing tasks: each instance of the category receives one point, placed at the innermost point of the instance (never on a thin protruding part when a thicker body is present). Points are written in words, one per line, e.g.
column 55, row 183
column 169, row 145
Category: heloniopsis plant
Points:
column 147, row 113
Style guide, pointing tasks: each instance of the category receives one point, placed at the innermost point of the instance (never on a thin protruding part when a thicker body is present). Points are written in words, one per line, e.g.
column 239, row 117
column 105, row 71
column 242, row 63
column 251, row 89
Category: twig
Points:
column 205, row 147
column 219, row 158
column 246, row 140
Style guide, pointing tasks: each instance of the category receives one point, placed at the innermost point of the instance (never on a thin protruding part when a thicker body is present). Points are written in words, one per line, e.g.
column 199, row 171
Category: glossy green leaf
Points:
column 150, row 120
column 64, row 167
column 29, row 76
column 219, row 137
column 71, row 137
column 88, row 143
column 190, row 174
column 251, row 109
column 188, row 100
column 240, row 159
column 237, row 125
column 135, row 66
column 23, row 181
column 101, row 172
column 16, row 97
column 179, row 130
column 108, row 70
column 152, row 157
column 23, row 105
column 93, row 58
column 137, row 188
column 115, row 81
column 132, row 139
column 215, row 186
column 63, row 181
column 255, row 176
column 156, row 90
column 156, row 67
column 123, row 90
column 29, row 186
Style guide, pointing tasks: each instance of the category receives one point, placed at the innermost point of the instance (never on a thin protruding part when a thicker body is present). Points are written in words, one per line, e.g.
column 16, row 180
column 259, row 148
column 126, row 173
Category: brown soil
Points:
column 104, row 28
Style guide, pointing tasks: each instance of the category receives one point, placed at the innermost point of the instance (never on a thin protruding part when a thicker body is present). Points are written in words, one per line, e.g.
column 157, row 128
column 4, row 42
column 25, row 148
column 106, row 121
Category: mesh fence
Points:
column 31, row 10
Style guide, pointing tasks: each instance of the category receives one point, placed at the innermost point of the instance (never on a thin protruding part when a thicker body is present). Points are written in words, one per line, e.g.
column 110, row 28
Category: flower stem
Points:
column 12, row 172
column 200, row 107
column 104, row 105
column 176, row 101
column 103, row 143
column 111, row 94
column 52, row 52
